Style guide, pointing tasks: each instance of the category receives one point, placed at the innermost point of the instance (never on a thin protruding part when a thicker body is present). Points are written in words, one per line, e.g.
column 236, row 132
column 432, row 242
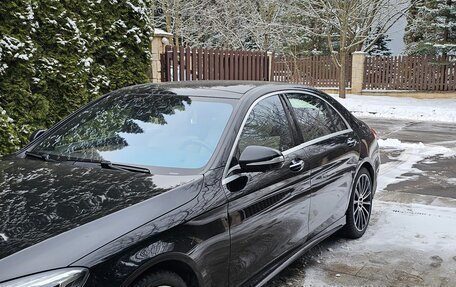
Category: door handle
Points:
column 351, row 142
column 297, row 165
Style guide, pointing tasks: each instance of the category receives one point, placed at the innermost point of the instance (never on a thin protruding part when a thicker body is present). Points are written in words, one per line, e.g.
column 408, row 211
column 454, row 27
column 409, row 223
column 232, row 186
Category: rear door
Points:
column 330, row 151
column 268, row 211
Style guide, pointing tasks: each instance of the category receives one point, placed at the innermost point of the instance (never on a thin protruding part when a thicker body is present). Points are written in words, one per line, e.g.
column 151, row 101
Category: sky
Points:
column 396, row 34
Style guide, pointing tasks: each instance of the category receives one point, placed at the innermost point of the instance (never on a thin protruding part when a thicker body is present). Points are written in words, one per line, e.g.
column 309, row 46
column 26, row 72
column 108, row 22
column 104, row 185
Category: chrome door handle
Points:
column 352, row 142
column 297, row 165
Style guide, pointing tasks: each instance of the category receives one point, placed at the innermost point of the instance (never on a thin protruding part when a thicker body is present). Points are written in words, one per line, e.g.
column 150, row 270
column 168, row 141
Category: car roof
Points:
column 223, row 89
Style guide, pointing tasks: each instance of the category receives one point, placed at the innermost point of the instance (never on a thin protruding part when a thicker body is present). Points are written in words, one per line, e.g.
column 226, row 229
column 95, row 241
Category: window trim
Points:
column 226, row 180
column 290, row 119
column 297, row 138
column 322, row 138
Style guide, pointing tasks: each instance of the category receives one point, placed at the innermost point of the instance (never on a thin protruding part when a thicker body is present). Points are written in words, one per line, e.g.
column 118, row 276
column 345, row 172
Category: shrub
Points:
column 57, row 55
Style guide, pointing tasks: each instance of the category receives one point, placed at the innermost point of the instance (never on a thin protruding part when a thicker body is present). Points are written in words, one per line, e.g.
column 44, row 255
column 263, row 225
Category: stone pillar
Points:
column 270, row 59
column 158, row 43
column 357, row 77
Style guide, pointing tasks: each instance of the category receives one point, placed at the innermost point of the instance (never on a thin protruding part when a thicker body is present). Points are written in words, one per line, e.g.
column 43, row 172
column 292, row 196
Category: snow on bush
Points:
column 56, row 56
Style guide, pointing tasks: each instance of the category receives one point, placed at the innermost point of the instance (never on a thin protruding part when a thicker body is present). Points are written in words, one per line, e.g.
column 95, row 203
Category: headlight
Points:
column 68, row 277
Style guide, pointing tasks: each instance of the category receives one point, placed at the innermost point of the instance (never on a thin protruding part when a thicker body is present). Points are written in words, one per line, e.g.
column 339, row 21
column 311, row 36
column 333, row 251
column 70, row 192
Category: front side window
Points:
column 153, row 130
column 315, row 117
column 267, row 125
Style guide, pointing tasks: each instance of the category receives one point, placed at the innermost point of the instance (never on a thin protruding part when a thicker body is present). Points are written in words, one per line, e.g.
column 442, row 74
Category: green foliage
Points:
column 432, row 28
column 9, row 135
column 57, row 55
column 380, row 46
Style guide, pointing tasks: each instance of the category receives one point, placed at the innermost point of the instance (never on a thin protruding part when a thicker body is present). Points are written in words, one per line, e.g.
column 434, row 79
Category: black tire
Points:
column 359, row 207
column 161, row 278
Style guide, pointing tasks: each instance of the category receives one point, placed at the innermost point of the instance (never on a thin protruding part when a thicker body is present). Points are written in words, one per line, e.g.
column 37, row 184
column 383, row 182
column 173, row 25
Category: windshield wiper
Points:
column 124, row 167
column 43, row 156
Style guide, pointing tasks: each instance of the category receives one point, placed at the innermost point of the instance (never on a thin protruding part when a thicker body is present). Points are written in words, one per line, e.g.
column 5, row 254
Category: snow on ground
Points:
column 419, row 227
column 407, row 155
column 438, row 110
column 405, row 245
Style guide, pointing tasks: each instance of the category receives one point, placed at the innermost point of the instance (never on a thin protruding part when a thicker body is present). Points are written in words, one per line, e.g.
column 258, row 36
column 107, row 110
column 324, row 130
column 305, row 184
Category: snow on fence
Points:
column 188, row 64
column 316, row 71
column 420, row 73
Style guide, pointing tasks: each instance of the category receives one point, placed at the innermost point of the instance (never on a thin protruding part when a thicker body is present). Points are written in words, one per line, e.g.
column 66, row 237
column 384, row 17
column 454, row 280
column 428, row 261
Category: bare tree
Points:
column 283, row 26
column 350, row 25
column 229, row 24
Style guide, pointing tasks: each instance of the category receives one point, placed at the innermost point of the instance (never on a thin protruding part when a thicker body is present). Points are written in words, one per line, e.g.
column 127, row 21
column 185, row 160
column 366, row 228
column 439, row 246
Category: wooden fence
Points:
column 410, row 73
column 187, row 64
column 380, row 73
column 316, row 71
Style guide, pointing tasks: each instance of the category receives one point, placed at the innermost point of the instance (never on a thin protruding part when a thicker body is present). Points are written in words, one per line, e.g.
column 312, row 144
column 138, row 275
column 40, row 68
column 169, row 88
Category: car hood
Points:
column 52, row 205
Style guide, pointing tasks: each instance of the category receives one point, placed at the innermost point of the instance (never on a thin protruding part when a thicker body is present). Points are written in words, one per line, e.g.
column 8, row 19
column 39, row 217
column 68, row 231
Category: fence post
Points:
column 358, row 59
column 158, row 43
column 270, row 61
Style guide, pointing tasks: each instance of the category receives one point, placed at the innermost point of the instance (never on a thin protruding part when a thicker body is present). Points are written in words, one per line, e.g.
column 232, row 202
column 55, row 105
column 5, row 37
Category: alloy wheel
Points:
column 362, row 202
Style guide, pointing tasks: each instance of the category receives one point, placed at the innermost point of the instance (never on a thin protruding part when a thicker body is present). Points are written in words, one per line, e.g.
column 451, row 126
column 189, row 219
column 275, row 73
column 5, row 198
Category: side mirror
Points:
column 36, row 134
column 260, row 159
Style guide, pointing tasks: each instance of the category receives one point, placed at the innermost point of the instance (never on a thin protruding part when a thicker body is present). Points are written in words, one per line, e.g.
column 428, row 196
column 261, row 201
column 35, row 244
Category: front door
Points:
column 268, row 211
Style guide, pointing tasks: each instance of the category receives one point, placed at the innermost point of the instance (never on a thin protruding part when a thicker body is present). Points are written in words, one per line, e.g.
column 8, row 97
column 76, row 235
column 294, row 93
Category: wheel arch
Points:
column 178, row 263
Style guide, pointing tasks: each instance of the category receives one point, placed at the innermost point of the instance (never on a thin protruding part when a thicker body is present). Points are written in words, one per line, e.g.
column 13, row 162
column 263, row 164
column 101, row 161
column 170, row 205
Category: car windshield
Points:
column 153, row 130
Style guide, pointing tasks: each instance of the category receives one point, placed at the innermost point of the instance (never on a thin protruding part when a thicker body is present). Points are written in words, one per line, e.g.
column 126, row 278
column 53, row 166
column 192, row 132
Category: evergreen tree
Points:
column 57, row 55
column 432, row 28
column 380, row 46
column 17, row 58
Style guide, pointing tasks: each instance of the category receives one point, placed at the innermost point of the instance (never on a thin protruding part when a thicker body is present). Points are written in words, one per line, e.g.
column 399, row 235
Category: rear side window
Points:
column 267, row 125
column 316, row 118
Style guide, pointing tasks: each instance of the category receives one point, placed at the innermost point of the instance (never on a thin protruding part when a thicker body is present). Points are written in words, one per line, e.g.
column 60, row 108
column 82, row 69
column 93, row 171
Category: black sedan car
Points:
column 184, row 184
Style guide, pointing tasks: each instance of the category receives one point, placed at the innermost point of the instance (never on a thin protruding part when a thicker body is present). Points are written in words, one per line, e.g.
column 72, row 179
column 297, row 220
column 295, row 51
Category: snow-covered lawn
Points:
column 438, row 110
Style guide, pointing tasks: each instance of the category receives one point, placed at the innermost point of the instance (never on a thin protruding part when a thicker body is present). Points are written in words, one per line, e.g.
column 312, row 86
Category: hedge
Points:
column 57, row 55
